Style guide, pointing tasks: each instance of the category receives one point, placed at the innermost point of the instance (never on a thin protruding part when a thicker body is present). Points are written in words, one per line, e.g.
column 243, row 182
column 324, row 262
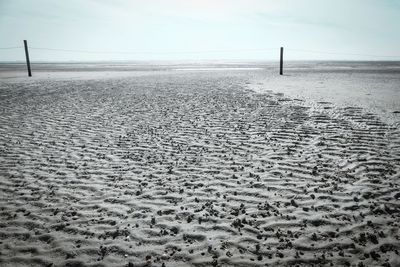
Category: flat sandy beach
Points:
column 195, row 166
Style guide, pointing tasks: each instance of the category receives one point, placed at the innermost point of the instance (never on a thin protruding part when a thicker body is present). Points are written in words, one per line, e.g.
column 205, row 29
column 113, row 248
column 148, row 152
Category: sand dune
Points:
column 192, row 169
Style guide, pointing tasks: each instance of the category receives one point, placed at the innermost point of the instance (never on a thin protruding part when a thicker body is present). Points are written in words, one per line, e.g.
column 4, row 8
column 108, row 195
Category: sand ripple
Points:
column 192, row 170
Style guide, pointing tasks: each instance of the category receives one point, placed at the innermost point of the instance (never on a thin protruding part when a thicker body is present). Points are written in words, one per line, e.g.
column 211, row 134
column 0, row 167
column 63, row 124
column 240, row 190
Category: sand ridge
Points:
column 192, row 169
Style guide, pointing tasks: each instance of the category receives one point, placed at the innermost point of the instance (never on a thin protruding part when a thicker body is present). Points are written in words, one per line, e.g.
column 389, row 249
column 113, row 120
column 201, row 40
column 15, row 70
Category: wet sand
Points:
column 192, row 169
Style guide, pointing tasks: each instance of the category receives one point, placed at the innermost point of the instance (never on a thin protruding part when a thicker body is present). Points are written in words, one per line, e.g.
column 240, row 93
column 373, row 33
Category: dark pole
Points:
column 28, row 63
column 281, row 65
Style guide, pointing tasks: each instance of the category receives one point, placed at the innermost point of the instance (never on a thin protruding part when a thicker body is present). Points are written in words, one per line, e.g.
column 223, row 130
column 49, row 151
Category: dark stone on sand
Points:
column 314, row 237
column 373, row 239
column 390, row 210
column 315, row 170
column 74, row 264
column 175, row 230
column 367, row 195
column 374, row 255
column 237, row 223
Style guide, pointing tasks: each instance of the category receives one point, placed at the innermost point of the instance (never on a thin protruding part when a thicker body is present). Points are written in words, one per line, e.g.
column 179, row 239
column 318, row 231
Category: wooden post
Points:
column 28, row 63
column 281, row 65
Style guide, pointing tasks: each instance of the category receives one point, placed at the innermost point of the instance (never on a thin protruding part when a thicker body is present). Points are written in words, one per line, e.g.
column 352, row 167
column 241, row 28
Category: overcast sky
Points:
column 214, row 29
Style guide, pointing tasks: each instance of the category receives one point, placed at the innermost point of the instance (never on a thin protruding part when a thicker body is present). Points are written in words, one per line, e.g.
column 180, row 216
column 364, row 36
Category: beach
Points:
column 200, row 165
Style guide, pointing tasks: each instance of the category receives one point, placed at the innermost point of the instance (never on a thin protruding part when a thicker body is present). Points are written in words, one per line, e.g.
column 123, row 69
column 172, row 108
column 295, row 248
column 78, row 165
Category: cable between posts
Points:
column 199, row 51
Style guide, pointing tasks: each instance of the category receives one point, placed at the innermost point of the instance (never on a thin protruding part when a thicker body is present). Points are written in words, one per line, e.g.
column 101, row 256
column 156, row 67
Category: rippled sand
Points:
column 192, row 169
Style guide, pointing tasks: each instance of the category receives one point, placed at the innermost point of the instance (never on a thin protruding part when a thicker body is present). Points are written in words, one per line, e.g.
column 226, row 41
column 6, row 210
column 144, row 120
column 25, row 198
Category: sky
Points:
column 200, row 29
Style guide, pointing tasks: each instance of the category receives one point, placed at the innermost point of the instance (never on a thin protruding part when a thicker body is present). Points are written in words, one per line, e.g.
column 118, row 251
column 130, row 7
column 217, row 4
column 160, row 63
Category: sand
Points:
column 373, row 86
column 192, row 169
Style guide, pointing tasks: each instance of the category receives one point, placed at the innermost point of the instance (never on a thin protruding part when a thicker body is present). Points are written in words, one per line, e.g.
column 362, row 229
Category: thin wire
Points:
column 14, row 47
column 146, row 52
column 345, row 54
column 196, row 52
